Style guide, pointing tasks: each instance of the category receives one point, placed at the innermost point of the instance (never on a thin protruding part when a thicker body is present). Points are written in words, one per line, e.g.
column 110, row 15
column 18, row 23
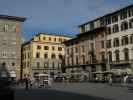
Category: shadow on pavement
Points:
column 6, row 95
column 48, row 94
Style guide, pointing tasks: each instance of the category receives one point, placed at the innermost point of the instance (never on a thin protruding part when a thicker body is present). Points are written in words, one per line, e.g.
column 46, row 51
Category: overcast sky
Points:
column 58, row 16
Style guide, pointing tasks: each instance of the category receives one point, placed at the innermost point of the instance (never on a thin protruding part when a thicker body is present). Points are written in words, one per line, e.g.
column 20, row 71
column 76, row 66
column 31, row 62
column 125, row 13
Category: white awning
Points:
column 12, row 74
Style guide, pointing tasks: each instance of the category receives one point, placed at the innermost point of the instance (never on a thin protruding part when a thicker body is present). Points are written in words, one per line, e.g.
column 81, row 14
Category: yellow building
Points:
column 43, row 54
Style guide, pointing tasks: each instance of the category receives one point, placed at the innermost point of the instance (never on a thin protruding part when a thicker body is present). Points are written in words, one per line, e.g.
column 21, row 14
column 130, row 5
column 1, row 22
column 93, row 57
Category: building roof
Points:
column 31, row 40
column 85, row 34
column 22, row 19
column 55, row 34
column 106, row 15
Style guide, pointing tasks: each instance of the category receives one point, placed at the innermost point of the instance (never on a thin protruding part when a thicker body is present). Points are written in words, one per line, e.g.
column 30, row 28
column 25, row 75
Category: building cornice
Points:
column 21, row 19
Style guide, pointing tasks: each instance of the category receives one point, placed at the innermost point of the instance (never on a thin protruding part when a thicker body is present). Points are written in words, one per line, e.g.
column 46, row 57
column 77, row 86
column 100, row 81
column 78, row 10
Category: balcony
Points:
column 121, row 62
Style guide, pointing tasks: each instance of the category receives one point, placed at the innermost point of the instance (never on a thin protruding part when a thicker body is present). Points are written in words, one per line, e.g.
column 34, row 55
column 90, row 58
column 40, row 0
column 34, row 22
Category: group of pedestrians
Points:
column 26, row 82
column 124, row 80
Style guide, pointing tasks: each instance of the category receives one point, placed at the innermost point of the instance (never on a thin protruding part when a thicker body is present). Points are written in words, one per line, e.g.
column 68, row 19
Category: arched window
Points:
column 126, row 54
column 124, row 26
column 117, row 56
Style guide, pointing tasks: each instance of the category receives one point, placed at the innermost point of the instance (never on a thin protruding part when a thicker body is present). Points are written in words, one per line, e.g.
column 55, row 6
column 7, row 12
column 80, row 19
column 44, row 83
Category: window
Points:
column 6, row 28
column 71, row 51
column 109, row 56
column 46, row 47
column 108, row 20
column 131, row 23
column 130, row 12
column 59, row 48
column 76, row 59
column 38, row 64
column 28, row 55
column 37, row 55
column 131, row 39
column 38, row 47
column 83, row 59
column 103, row 56
column 108, row 30
column 13, row 64
column 54, row 39
column 102, row 44
column 108, row 43
column 126, row 54
column 76, row 49
column 115, row 28
column 103, row 68
column 60, row 40
column 117, row 56
column 82, row 29
column 49, row 38
column 68, row 51
column 115, row 18
column 53, row 56
column 60, row 57
column 45, row 55
column 123, row 15
column 116, row 42
column 53, row 48
column 44, row 38
column 124, row 26
column 28, row 64
column 39, row 38
column 125, row 40
column 102, row 22
column 91, row 26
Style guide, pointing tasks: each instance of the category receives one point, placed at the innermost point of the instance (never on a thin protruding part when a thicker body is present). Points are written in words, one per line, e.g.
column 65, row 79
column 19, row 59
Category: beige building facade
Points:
column 43, row 54
column 112, row 48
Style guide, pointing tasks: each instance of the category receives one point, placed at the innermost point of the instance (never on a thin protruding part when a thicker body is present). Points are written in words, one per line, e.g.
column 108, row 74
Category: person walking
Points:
column 125, row 79
column 110, row 80
column 26, row 83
